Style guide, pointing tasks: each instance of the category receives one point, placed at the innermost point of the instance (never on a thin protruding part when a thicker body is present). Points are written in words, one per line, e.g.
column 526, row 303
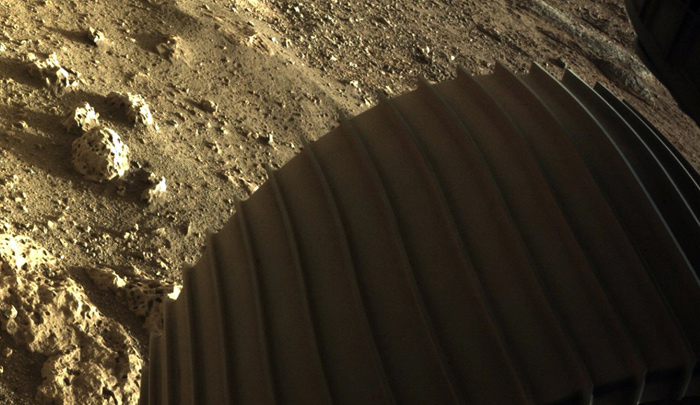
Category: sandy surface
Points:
column 229, row 85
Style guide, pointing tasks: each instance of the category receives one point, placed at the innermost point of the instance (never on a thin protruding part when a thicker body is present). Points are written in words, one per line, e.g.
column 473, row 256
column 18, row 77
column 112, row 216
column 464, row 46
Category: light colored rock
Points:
column 134, row 107
column 52, row 73
column 106, row 279
column 209, row 106
column 143, row 296
column 172, row 49
column 82, row 119
column 90, row 358
column 100, row 155
column 248, row 185
column 269, row 138
column 96, row 36
column 155, row 193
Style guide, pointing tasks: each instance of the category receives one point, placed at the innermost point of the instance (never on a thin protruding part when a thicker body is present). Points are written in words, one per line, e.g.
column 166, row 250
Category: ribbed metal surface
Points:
column 492, row 239
column 669, row 33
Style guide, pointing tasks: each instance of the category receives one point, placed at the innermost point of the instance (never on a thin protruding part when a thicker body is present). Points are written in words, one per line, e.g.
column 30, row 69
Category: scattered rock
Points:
column 100, row 155
column 82, row 119
column 121, row 190
column 52, row 73
column 187, row 228
column 171, row 49
column 47, row 312
column 95, row 36
column 246, row 34
column 559, row 62
column 490, row 32
column 142, row 295
column 249, row 186
column 5, row 227
column 424, row 54
column 134, row 107
column 267, row 138
column 208, row 106
column 155, row 193
column 240, row 181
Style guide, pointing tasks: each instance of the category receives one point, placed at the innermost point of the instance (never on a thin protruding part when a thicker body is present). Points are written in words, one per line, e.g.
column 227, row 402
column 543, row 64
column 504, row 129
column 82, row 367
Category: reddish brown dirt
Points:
column 275, row 69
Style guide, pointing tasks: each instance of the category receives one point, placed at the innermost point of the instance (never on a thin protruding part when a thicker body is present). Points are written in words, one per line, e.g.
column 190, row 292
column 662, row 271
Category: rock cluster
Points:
column 47, row 312
column 99, row 153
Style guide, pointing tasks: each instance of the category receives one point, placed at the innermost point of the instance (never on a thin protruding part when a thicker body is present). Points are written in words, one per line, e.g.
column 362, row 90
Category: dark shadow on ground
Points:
column 24, row 366
column 37, row 138
column 74, row 36
column 148, row 41
column 18, row 71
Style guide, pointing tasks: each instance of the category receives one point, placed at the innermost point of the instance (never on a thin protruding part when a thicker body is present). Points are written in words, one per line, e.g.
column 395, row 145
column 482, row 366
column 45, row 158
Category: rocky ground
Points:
column 101, row 205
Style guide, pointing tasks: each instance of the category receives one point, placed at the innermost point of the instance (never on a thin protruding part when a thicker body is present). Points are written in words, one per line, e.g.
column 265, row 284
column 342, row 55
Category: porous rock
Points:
column 82, row 119
column 89, row 357
column 100, row 155
column 143, row 296
column 52, row 73
column 134, row 106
